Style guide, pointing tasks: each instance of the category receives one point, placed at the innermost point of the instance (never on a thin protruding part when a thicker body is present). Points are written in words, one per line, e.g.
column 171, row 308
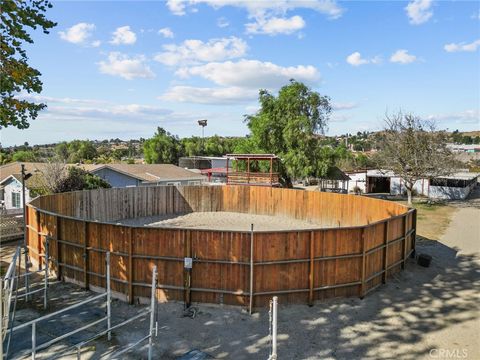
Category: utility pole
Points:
column 203, row 123
column 25, row 176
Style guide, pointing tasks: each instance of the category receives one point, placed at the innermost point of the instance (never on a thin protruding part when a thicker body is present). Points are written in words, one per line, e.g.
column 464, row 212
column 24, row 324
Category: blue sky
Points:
column 120, row 69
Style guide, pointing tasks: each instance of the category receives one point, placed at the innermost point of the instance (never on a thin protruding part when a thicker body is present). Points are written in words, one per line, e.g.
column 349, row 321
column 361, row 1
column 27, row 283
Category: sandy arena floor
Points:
column 222, row 221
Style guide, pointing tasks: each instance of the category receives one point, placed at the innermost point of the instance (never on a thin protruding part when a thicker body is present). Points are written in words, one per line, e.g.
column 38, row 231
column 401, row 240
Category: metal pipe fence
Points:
column 33, row 323
column 35, row 347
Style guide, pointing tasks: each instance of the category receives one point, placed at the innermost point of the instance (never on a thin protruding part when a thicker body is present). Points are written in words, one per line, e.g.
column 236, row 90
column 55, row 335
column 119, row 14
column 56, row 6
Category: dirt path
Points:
column 463, row 234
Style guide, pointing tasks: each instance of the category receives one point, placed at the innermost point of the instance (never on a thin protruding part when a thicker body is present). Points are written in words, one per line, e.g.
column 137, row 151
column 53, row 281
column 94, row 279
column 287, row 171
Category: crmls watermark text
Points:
column 448, row 353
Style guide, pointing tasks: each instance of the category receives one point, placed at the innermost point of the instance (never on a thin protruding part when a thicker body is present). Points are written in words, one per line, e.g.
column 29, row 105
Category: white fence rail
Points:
column 9, row 286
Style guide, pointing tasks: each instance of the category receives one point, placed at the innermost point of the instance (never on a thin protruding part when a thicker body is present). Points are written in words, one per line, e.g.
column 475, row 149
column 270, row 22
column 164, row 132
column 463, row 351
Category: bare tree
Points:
column 413, row 149
column 53, row 175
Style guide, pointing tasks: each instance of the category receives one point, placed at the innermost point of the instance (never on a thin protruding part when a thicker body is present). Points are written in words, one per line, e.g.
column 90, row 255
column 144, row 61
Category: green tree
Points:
column 288, row 125
column 80, row 151
column 79, row 179
column 15, row 74
column 162, row 148
column 192, row 146
column 61, row 151
column 24, row 156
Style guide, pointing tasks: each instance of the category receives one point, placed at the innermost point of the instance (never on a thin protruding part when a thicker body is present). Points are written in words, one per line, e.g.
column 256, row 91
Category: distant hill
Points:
column 471, row 133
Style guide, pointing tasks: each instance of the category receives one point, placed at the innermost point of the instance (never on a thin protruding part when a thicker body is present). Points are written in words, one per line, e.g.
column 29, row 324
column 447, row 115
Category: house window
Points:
column 16, row 200
column 173, row 183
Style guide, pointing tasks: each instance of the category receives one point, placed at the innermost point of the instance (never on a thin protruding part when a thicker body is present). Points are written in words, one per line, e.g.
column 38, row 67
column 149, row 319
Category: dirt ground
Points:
column 421, row 313
column 222, row 220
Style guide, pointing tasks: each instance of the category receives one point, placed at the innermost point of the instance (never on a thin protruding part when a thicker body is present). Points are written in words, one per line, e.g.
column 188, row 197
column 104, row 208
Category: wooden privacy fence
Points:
column 358, row 244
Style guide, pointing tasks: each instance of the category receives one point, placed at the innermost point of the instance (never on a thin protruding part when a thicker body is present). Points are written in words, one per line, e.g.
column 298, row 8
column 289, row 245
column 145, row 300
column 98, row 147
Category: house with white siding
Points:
column 456, row 186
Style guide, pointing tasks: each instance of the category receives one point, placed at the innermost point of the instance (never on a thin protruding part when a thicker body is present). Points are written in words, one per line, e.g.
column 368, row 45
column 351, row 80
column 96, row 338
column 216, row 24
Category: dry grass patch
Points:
column 432, row 219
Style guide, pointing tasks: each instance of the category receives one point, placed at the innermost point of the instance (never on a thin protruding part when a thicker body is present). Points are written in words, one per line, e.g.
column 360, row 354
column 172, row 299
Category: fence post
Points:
column 364, row 265
column 130, row 268
column 109, row 310
column 385, row 253
column 45, row 290
column 414, row 234
column 311, row 270
column 39, row 241
column 27, row 287
column 273, row 356
column 1, row 317
column 34, row 340
column 251, row 272
column 85, row 255
column 187, row 271
column 152, row 311
column 404, row 242
column 59, row 250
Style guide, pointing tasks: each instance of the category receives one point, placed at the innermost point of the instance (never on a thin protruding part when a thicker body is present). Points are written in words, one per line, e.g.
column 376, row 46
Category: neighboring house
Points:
column 358, row 180
column 117, row 175
column 334, row 181
column 213, row 167
column 454, row 187
column 123, row 175
column 203, row 162
column 464, row 148
column 11, row 190
column 11, row 183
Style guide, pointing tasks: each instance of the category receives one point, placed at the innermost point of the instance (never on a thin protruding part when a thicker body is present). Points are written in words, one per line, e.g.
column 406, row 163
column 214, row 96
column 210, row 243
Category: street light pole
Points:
column 203, row 123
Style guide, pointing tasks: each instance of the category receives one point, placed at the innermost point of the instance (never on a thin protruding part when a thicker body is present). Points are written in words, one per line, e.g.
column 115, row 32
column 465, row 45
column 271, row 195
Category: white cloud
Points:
column 96, row 43
column 403, row 57
column 65, row 100
column 79, row 34
column 82, row 108
column 204, row 95
column 476, row 16
column 275, row 25
column 452, row 47
column 269, row 16
column 251, row 74
column 129, row 68
column 166, row 33
column 355, row 59
column 123, row 35
column 222, row 22
column 471, row 116
column 195, row 51
column 261, row 8
column 419, row 11
column 344, row 106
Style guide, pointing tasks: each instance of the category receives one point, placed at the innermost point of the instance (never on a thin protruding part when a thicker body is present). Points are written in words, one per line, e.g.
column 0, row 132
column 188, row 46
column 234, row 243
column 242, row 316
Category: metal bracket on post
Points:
column 109, row 309
column 153, row 304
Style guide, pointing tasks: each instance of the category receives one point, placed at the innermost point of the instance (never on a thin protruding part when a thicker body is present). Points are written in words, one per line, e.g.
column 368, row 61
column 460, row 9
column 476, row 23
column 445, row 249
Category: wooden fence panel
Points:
column 298, row 266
